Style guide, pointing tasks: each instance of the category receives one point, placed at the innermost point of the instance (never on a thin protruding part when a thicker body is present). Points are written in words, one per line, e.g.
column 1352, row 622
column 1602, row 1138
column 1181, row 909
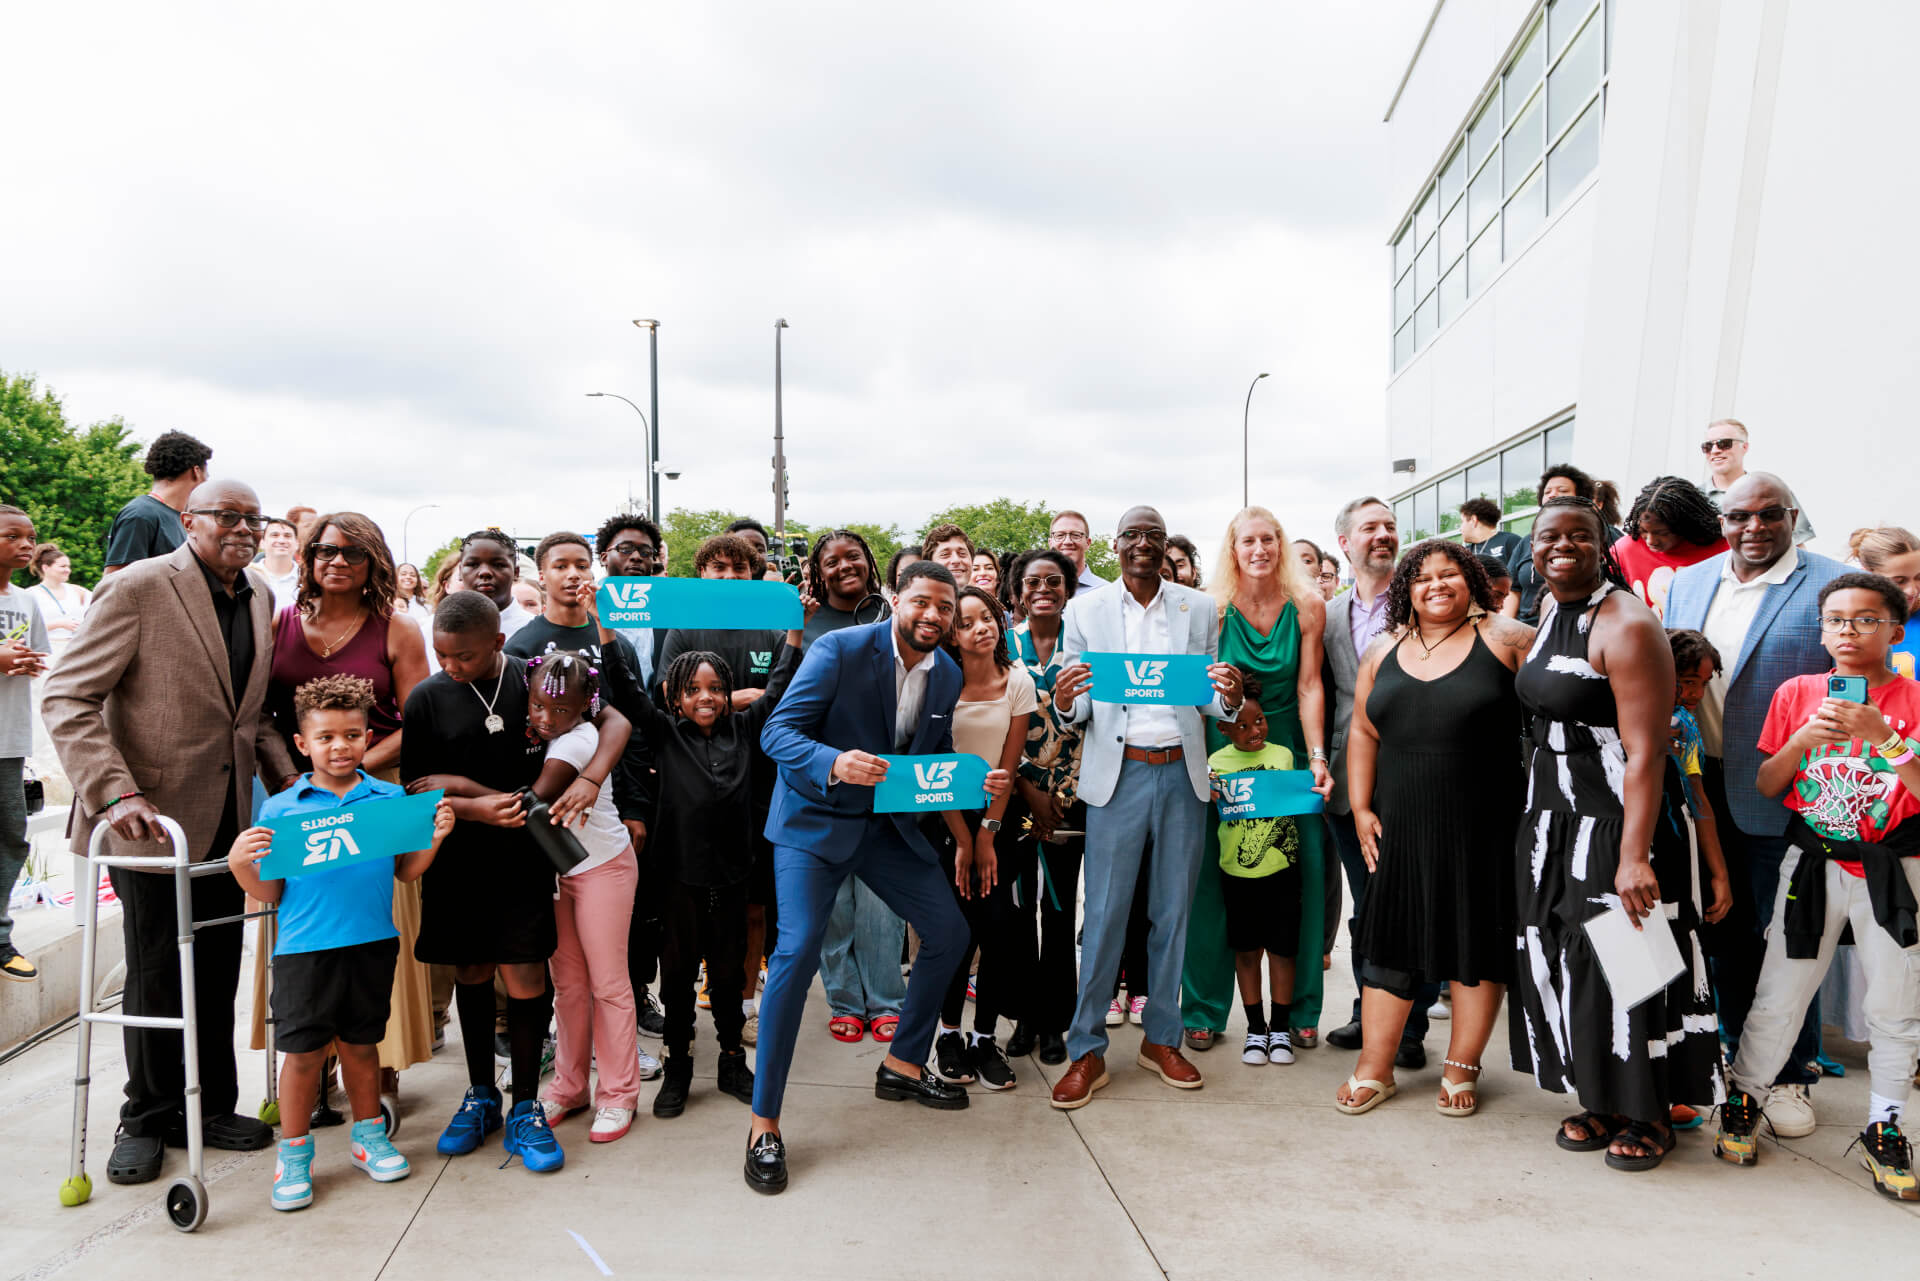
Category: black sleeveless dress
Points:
column 1562, row 1021
column 1447, row 790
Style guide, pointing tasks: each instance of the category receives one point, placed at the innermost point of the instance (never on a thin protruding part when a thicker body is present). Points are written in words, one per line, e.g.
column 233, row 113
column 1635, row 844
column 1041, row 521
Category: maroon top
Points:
column 295, row 663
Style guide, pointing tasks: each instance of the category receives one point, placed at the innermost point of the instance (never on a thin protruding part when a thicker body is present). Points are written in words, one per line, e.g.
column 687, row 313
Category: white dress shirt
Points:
column 1728, row 618
column 513, row 618
column 286, row 587
column 1147, row 632
column 910, row 692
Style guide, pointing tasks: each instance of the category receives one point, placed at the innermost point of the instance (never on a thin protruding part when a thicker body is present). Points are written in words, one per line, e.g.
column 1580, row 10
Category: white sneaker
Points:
column 750, row 1030
column 1789, row 1110
column 1255, row 1051
column 1116, row 1012
column 1138, row 1008
column 1280, row 1047
column 1439, row 1010
column 649, row 1066
column 556, row 1112
column 609, row 1124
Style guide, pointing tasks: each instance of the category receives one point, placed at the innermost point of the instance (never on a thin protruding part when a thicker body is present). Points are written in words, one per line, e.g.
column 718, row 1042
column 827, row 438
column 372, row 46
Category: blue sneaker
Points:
column 529, row 1138
column 375, row 1153
column 292, row 1174
column 479, row 1116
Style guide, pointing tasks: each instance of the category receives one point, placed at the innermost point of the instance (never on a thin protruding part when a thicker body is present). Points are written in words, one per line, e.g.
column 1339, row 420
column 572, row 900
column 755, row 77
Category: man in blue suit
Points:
column 1758, row 603
column 860, row 693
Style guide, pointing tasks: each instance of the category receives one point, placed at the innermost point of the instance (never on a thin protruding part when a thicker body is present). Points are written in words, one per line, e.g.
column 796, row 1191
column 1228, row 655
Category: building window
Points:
column 1510, row 476
column 1527, row 146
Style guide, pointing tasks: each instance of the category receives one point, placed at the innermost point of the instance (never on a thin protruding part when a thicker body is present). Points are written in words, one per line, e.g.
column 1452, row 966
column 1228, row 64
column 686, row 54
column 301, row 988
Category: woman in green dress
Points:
column 1270, row 623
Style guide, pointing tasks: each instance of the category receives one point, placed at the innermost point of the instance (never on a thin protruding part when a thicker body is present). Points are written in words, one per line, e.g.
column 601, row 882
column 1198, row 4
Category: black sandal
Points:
column 1647, row 1137
column 1601, row 1130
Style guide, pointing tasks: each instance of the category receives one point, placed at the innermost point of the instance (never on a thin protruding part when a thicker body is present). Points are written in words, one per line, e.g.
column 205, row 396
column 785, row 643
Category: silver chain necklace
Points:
column 494, row 722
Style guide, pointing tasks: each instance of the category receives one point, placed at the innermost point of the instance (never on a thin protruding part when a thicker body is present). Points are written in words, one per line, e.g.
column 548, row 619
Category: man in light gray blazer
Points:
column 1143, row 771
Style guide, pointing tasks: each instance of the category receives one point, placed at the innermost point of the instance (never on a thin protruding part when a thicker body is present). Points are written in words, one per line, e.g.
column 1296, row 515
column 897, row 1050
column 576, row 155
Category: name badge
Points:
column 719, row 603
column 1174, row 680
column 956, row 782
column 322, row 840
column 1268, row 793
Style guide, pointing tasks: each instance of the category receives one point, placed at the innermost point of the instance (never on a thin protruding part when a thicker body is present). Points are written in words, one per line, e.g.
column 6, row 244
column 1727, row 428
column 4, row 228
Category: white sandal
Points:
column 1455, row 1089
column 1382, row 1091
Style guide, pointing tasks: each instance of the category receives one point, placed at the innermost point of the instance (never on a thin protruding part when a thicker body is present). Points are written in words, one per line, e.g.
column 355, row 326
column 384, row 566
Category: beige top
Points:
column 980, row 728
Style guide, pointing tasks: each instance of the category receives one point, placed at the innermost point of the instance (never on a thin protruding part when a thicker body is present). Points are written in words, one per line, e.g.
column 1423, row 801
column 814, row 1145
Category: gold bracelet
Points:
column 1893, row 746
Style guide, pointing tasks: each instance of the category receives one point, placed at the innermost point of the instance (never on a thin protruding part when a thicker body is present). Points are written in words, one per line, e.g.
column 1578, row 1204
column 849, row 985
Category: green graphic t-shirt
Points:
column 1255, row 846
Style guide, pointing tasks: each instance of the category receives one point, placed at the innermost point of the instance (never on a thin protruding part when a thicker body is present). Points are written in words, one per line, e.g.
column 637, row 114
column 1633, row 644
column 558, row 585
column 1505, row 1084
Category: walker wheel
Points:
column 186, row 1203
column 390, row 1114
column 270, row 1112
column 76, row 1190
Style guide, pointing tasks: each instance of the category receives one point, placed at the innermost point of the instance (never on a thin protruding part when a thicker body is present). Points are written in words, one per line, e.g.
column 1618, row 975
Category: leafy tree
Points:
column 431, row 566
column 685, row 530
column 72, row 481
column 1007, row 525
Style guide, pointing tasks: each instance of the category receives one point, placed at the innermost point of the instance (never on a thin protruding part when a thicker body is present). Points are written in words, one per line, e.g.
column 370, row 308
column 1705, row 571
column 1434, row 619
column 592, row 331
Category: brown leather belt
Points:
column 1156, row 755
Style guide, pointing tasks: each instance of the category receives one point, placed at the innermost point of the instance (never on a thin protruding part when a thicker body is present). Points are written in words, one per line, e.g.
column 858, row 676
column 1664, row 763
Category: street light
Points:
column 653, row 467
column 779, row 444
column 403, row 529
column 1245, row 410
column 653, row 399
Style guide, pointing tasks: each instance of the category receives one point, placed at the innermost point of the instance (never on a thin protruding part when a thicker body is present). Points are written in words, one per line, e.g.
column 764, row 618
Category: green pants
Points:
column 1207, row 986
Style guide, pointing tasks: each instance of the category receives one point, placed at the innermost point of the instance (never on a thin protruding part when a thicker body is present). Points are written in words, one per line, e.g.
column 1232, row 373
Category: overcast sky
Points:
column 377, row 256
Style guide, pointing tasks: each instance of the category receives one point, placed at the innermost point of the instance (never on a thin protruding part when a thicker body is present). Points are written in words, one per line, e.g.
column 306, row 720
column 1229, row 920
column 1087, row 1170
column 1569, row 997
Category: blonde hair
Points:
column 1734, row 423
column 1873, row 546
column 1226, row 574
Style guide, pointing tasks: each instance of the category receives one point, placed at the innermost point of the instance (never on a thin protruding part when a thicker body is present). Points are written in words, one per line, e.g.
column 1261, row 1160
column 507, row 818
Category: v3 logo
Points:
column 324, row 847
column 1146, row 672
column 629, row 595
column 1236, row 791
column 933, row 776
column 761, row 659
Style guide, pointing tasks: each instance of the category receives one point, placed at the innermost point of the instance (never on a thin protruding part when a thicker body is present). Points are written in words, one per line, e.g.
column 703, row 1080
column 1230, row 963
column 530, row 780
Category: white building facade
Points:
column 1627, row 218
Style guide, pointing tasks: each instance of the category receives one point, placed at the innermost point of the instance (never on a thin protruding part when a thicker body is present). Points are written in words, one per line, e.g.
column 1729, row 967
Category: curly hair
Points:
column 1017, row 575
column 680, row 674
column 1400, row 587
column 944, row 534
column 1889, row 592
column 610, row 531
column 1679, row 504
column 1690, row 648
column 383, row 582
column 1001, row 658
column 1250, row 686
column 1482, row 509
column 1583, row 487
column 338, row 693
column 730, row 547
column 173, row 454
column 816, row 560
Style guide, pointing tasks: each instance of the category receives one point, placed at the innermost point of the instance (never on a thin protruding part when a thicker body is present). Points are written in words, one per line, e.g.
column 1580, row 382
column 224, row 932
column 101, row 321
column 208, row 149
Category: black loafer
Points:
column 1411, row 1055
column 1345, row 1037
column 766, row 1168
column 1053, row 1048
column 1021, row 1043
column 925, row 1089
column 135, row 1160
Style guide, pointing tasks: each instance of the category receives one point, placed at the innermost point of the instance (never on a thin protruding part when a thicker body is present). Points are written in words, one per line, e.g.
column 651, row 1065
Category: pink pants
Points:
column 592, row 995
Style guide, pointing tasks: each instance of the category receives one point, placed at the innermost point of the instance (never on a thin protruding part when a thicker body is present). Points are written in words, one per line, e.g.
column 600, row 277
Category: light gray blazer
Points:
column 1093, row 623
column 1342, row 672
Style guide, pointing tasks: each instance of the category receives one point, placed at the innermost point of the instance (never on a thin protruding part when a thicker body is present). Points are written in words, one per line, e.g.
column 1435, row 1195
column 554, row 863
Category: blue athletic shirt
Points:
column 341, row 906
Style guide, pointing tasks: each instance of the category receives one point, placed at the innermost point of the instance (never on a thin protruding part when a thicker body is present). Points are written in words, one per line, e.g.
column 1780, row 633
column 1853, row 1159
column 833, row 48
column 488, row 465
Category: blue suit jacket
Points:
column 842, row 699
column 1783, row 642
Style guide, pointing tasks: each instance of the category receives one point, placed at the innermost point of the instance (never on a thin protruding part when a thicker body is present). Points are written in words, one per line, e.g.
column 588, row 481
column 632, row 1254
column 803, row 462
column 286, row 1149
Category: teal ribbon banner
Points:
column 321, row 840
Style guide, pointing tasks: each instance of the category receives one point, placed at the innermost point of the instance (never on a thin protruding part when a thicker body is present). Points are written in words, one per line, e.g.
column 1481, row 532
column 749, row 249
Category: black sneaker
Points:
column 652, row 1019
column 990, row 1066
column 951, row 1062
column 1737, row 1140
column 736, row 1078
column 1889, row 1159
column 674, row 1083
column 15, row 966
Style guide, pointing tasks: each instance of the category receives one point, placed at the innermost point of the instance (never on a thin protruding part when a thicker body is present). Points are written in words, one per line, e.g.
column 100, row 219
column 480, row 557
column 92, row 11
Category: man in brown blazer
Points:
column 156, row 709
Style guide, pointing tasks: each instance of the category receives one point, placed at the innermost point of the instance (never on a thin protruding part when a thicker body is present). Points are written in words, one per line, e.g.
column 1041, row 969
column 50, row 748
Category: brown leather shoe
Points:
column 1170, row 1065
column 1088, row 1073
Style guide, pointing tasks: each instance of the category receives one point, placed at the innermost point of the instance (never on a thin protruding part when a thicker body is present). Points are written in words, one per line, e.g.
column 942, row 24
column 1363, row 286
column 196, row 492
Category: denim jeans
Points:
column 13, row 838
column 860, row 954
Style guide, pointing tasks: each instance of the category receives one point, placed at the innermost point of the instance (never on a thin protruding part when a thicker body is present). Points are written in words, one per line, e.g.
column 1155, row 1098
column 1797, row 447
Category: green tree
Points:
column 1008, row 525
column 685, row 529
column 72, row 481
column 431, row 566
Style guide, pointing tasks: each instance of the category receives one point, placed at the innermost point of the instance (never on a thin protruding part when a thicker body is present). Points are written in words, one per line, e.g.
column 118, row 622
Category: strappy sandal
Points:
column 1454, row 1089
column 1600, row 1129
column 883, row 1027
column 1649, row 1139
column 847, row 1027
column 1382, row 1091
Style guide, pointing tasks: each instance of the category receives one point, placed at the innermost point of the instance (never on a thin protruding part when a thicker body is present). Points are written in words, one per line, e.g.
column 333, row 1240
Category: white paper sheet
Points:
column 1637, row 963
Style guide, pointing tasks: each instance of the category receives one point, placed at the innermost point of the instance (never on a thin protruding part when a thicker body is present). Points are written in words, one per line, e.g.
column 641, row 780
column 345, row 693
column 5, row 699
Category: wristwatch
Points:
column 989, row 824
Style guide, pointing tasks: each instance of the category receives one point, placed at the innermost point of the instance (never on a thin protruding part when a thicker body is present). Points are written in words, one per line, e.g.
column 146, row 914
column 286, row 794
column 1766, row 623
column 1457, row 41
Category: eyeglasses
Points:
column 1723, row 444
column 1328, row 576
column 1766, row 516
column 1858, row 626
column 1034, row 584
column 633, row 549
column 228, row 519
column 1151, row 537
column 1068, row 536
column 329, row 551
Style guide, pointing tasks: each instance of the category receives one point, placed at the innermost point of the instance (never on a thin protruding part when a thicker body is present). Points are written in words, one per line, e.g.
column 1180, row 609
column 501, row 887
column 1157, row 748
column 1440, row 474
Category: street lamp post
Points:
column 403, row 529
column 653, row 399
column 1245, row 482
column 653, row 472
column 779, row 445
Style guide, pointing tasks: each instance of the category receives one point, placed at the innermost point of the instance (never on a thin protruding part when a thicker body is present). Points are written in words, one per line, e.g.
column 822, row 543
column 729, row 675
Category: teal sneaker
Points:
column 479, row 1116
column 529, row 1138
column 293, row 1174
column 375, row 1153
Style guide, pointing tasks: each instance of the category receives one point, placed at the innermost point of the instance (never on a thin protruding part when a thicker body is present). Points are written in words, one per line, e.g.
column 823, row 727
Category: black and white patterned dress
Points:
column 1563, row 1023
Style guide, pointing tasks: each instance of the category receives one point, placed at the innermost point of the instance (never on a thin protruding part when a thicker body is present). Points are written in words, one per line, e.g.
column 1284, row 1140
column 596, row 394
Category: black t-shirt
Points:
column 143, row 529
column 448, row 735
column 543, row 636
column 1499, row 545
column 749, row 655
column 633, row 781
column 825, row 619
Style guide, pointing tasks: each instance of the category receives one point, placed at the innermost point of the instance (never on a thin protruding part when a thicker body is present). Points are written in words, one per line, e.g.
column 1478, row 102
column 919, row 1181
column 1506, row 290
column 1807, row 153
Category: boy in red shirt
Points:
column 1848, row 771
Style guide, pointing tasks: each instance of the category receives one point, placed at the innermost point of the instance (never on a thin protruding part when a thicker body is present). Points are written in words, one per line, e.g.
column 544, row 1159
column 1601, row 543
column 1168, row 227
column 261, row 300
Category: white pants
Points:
column 1787, row 985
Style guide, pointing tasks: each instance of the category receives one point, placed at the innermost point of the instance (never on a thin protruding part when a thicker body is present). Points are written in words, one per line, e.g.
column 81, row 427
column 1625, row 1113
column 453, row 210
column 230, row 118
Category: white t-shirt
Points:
column 604, row 837
column 513, row 618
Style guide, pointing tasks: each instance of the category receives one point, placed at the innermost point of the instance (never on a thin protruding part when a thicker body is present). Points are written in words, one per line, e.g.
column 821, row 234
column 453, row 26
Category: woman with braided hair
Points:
column 1671, row 525
column 841, row 586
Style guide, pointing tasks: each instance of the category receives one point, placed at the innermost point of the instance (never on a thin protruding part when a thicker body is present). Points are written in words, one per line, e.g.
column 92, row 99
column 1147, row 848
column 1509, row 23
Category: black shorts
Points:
column 490, row 904
column 1263, row 912
column 337, row 993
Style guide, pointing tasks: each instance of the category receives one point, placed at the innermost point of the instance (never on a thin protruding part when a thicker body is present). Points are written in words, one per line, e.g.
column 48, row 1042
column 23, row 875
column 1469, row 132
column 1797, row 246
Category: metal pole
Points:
column 1245, row 482
column 653, row 435
column 404, row 556
column 779, row 446
column 652, row 445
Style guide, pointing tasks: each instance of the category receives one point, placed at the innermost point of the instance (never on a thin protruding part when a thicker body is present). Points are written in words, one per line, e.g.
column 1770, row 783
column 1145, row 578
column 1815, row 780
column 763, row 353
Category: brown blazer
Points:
column 143, row 700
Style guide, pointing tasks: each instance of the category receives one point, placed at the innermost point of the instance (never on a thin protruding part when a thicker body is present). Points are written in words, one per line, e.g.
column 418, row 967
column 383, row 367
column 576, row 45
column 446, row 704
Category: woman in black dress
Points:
column 1434, row 770
column 1598, row 686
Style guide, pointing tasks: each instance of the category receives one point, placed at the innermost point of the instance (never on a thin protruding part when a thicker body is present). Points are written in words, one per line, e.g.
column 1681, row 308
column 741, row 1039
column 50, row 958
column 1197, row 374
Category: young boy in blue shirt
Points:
column 334, row 959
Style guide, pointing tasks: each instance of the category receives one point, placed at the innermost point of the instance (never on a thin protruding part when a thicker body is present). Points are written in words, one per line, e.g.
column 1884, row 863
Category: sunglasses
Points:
column 1766, row 515
column 1034, row 584
column 228, row 519
column 355, row 556
column 1723, row 444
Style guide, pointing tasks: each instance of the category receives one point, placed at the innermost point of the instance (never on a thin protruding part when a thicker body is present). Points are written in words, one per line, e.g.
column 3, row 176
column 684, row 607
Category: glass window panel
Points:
column 1574, row 80
column 1403, row 513
column 1483, row 202
column 1560, row 443
column 1403, row 345
column 1485, row 135
column 1403, row 251
column 1520, row 468
column 1563, row 19
column 1426, row 268
column 1453, row 237
column 1483, row 479
column 1453, row 492
column 1525, row 212
column 1426, row 320
column 1424, row 525
column 1453, row 293
column 1521, row 525
column 1575, row 157
column 1524, row 144
column 1523, row 73
column 1453, row 179
column 1483, row 260
column 1403, row 299
column 1425, row 219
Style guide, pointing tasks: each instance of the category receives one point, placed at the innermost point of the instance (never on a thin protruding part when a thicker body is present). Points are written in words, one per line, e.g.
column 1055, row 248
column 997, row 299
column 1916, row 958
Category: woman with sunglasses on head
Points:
column 348, row 621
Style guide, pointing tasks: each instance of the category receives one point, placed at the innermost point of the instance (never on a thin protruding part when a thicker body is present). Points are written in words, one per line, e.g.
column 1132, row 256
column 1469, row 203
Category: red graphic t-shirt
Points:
column 1846, row 790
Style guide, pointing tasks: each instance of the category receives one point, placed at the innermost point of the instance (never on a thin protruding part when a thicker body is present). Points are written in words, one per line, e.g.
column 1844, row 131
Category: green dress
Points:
column 1207, row 985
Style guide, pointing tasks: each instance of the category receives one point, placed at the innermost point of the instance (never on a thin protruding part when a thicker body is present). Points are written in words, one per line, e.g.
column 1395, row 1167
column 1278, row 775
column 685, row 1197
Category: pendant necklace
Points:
column 1419, row 636
column 494, row 722
column 327, row 647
